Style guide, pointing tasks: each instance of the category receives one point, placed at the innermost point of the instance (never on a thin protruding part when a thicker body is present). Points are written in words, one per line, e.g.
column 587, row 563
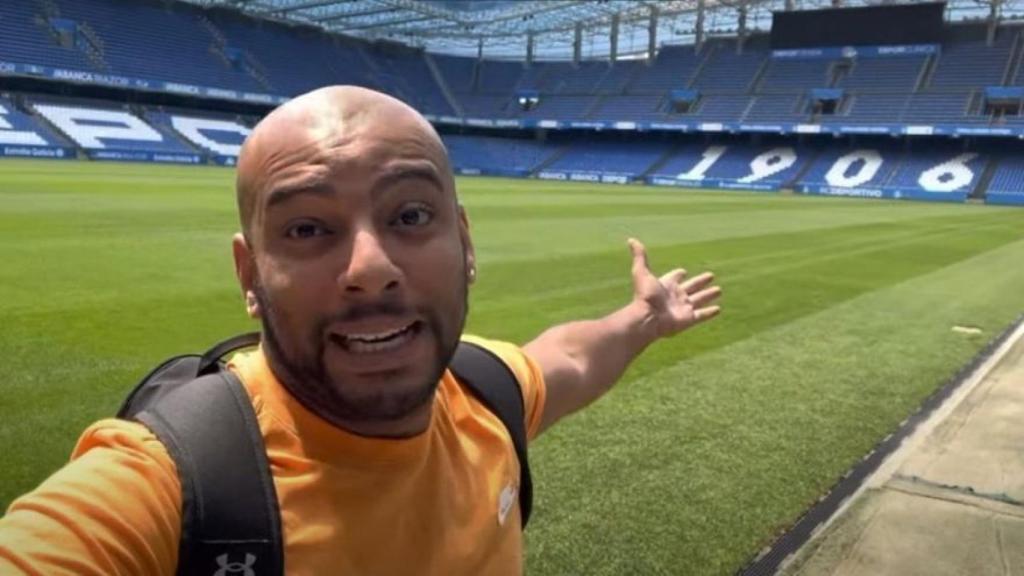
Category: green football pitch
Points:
column 837, row 322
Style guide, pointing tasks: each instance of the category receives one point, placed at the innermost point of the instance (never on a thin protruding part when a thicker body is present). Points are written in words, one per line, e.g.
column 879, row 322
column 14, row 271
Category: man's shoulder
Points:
column 526, row 371
column 511, row 354
column 118, row 433
column 500, row 348
column 114, row 439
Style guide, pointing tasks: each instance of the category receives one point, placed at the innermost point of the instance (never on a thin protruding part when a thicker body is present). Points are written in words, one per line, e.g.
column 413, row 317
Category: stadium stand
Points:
column 219, row 135
column 619, row 77
column 939, row 109
column 938, row 171
column 18, row 128
column 498, row 156
column 898, row 74
column 868, row 108
column 637, row 108
column 460, row 73
column 787, row 76
column 496, row 77
column 132, row 36
column 724, row 108
column 970, row 63
column 854, row 171
column 672, row 69
column 630, row 159
column 1007, row 184
column 728, row 71
column 730, row 87
column 562, row 107
column 729, row 165
column 777, row 108
column 27, row 35
column 111, row 132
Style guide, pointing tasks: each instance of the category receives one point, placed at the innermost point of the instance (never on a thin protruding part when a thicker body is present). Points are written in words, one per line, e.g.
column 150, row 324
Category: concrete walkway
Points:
column 950, row 501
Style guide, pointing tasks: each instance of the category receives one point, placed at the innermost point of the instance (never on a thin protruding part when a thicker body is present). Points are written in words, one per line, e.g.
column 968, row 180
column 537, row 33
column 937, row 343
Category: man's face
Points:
column 360, row 258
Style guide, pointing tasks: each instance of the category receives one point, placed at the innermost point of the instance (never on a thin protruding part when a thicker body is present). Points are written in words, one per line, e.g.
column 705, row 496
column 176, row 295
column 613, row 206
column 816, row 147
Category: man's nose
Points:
column 371, row 271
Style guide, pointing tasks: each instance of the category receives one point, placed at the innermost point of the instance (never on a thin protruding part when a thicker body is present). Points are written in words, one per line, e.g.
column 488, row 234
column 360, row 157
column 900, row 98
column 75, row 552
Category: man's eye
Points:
column 414, row 216
column 306, row 230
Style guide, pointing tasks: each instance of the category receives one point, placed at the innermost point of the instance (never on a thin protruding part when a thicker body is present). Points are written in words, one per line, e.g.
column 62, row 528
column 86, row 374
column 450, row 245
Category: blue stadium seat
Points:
column 939, row 170
column 553, row 107
column 497, row 77
column 632, row 159
column 931, row 108
column 634, row 108
column 865, row 167
column 726, row 71
column 734, row 165
column 218, row 134
column 777, row 108
column 186, row 44
column 1008, row 178
column 672, row 69
column 723, row 107
column 892, row 74
column 795, row 76
column 868, row 108
column 101, row 127
column 972, row 63
column 21, row 129
column 458, row 72
column 489, row 155
column 25, row 38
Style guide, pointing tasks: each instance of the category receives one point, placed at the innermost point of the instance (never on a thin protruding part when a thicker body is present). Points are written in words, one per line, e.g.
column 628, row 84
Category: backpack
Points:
column 231, row 522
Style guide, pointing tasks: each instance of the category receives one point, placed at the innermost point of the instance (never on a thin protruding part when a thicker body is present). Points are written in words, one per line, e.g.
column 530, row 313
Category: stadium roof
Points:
column 501, row 27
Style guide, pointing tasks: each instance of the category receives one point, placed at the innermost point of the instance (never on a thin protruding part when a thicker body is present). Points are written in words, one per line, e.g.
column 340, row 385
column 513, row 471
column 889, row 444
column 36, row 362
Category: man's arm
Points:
column 582, row 360
column 115, row 509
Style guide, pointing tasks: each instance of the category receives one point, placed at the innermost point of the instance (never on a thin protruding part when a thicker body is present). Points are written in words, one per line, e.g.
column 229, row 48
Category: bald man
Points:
column 356, row 258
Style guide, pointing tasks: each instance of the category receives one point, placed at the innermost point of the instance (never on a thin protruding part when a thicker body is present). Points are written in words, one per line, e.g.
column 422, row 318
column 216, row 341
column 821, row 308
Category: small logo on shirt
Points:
column 506, row 500
column 242, row 569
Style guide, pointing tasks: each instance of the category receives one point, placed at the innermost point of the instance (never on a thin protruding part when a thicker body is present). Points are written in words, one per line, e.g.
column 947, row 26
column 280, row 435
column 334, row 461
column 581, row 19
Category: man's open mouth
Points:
column 371, row 343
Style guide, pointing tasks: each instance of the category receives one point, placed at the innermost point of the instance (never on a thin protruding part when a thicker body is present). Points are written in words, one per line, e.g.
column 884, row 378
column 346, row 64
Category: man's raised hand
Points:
column 672, row 302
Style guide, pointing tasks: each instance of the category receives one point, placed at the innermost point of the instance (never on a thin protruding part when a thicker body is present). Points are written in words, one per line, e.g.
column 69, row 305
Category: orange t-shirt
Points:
column 431, row 504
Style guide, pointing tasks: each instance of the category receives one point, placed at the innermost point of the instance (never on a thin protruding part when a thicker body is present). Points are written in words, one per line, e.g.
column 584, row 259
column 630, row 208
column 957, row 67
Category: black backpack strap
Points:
column 494, row 384
column 210, row 361
column 232, row 522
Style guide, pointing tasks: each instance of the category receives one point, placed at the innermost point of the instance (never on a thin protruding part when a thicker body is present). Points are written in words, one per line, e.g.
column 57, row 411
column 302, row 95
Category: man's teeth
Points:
column 377, row 337
column 382, row 342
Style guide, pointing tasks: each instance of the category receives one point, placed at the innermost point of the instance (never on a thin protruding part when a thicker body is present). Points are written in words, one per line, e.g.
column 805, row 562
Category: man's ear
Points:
column 245, row 270
column 467, row 245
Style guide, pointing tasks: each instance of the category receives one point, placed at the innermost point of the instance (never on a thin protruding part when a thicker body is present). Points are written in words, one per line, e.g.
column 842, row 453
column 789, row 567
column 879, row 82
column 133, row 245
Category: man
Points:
column 356, row 257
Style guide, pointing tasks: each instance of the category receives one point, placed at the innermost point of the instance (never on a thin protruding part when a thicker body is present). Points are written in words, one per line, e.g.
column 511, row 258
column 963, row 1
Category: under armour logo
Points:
column 227, row 568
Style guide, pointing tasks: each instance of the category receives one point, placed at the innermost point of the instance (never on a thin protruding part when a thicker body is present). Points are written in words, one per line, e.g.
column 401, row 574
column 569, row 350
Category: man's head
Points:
column 354, row 254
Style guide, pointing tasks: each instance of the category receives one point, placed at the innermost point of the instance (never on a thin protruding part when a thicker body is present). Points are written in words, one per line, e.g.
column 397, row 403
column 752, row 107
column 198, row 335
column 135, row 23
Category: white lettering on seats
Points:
column 8, row 135
column 948, row 176
column 193, row 128
column 770, row 163
column 871, row 162
column 708, row 159
column 105, row 124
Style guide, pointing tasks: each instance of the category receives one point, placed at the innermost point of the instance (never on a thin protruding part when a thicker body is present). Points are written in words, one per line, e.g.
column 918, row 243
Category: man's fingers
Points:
column 639, row 256
column 697, row 283
column 702, row 314
column 702, row 298
column 673, row 278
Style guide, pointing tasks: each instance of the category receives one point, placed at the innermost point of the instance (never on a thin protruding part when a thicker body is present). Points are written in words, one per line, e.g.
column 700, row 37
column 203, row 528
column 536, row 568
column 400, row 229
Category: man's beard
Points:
column 307, row 377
